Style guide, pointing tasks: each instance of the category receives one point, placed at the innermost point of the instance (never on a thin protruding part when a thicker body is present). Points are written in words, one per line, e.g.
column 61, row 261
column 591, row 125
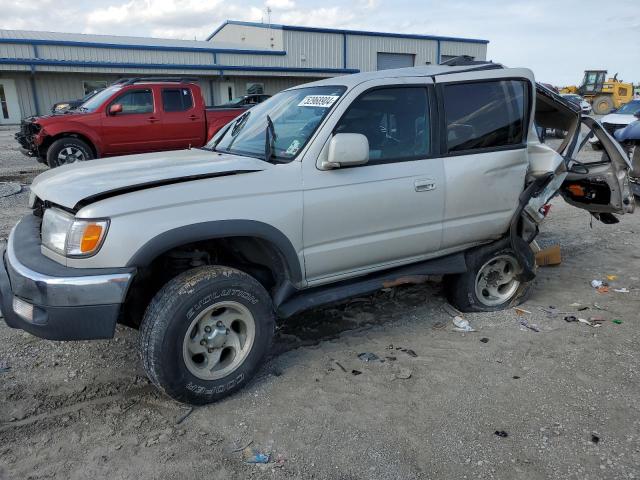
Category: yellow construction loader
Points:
column 603, row 95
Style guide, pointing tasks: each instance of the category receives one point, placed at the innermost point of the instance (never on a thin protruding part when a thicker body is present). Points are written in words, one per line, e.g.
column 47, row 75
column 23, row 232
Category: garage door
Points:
column 395, row 60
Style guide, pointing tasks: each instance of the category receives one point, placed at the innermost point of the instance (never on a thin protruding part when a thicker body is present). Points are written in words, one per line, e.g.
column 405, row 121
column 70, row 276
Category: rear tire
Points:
column 205, row 334
column 490, row 284
column 602, row 105
column 68, row 150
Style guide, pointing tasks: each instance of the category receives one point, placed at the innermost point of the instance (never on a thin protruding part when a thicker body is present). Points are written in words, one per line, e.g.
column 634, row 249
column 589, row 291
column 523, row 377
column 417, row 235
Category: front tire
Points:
column 490, row 284
column 68, row 150
column 205, row 334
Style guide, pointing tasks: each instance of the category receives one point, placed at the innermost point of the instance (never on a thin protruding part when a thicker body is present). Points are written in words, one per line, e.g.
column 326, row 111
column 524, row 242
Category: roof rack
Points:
column 463, row 61
column 131, row 81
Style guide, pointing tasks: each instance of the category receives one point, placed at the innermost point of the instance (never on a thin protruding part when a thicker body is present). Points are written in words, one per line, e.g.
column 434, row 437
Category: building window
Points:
column 484, row 114
column 444, row 58
column 255, row 88
column 93, row 85
column 3, row 103
column 388, row 61
column 176, row 99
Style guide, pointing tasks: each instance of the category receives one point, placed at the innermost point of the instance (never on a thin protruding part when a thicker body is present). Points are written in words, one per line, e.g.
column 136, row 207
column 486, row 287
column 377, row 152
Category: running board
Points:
column 302, row 300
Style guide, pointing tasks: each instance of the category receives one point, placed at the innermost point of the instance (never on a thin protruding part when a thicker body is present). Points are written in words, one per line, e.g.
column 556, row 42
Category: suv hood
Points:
column 84, row 182
column 618, row 119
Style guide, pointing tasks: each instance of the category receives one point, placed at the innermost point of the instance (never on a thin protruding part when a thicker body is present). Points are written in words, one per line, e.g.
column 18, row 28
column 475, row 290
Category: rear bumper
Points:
column 66, row 303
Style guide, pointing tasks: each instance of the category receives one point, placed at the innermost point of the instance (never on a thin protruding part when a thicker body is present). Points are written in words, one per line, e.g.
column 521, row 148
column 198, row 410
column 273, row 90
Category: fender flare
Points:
column 220, row 229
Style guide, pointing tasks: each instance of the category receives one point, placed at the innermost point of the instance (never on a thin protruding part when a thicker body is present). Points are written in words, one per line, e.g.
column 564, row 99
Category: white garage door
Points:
column 395, row 60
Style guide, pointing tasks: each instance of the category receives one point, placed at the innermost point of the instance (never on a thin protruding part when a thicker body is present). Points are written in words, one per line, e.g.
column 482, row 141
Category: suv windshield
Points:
column 295, row 115
column 98, row 99
column 629, row 108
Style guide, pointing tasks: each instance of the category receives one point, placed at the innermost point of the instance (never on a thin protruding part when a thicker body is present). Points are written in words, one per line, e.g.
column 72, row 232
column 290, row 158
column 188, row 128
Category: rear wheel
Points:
column 205, row 334
column 68, row 150
column 602, row 105
column 490, row 284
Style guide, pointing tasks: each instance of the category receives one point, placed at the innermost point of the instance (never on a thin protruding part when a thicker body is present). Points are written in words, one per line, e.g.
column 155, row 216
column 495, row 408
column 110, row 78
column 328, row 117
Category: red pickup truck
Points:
column 131, row 116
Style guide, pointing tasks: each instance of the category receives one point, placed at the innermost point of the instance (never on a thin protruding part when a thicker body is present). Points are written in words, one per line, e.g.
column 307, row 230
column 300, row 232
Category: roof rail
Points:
column 131, row 81
column 463, row 61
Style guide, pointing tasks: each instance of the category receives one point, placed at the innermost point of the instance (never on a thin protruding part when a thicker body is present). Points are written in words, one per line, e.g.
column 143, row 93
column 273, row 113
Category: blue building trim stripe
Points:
column 122, row 46
column 33, row 62
column 347, row 32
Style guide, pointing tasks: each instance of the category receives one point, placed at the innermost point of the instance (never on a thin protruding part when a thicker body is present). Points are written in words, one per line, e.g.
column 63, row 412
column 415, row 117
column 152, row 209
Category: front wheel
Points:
column 68, row 150
column 205, row 334
column 491, row 283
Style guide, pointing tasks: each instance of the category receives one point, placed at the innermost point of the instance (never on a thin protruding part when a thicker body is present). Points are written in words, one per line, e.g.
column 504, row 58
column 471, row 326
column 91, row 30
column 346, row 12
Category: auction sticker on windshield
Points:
column 323, row 101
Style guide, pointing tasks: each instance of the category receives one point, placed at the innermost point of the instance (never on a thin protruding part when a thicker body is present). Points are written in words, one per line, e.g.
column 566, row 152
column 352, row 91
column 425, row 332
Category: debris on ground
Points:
column 438, row 325
column 184, row 416
column 552, row 311
column 9, row 188
column 280, row 460
column 4, row 367
column 612, row 278
column 599, row 307
column 409, row 352
column 597, row 283
column 403, row 374
column 621, row 290
column 484, row 340
column 391, row 359
column 595, row 439
column 356, row 372
column 462, row 325
column 603, row 290
column 368, row 357
column 501, row 433
column 530, row 326
column 521, row 311
column 617, row 321
column 570, row 318
column 244, row 446
column 252, row 455
column 549, row 256
column 341, row 367
column 587, row 322
column 451, row 310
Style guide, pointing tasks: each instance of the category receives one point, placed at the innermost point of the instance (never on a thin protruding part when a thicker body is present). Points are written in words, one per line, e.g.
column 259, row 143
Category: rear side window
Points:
column 136, row 101
column 176, row 99
column 482, row 115
column 394, row 120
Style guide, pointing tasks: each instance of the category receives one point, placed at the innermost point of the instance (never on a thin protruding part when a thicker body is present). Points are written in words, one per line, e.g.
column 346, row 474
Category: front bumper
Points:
column 68, row 303
column 634, row 184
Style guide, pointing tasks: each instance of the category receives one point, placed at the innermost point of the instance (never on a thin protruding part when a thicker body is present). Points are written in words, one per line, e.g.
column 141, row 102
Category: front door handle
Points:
column 425, row 185
column 154, row 119
column 194, row 117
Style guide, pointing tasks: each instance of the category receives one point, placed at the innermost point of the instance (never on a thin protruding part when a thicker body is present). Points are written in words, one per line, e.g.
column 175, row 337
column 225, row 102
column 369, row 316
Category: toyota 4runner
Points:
column 325, row 191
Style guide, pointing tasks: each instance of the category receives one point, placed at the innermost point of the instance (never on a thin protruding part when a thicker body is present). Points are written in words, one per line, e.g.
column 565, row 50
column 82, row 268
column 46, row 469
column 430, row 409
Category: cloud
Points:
column 280, row 4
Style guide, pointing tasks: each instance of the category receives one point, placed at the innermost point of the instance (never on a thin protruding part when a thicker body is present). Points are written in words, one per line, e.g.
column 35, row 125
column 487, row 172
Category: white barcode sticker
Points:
column 322, row 101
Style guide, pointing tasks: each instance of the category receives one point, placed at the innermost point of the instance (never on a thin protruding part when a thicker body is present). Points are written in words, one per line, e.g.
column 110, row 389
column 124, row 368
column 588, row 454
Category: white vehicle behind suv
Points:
column 325, row 191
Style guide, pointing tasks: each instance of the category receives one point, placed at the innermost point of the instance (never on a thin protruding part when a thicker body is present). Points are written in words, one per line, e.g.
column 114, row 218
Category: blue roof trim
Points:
column 169, row 66
column 122, row 46
column 348, row 32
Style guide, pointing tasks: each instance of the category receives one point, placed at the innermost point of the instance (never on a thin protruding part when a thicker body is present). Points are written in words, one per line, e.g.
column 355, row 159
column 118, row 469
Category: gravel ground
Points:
column 567, row 397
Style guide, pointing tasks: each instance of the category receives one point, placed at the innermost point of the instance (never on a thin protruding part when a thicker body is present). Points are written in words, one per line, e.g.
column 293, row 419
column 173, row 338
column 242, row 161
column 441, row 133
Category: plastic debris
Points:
column 356, row 372
column 484, row 340
column 516, row 377
column 575, row 305
column 252, row 455
column 462, row 325
column 528, row 325
column 587, row 322
column 451, row 310
column 501, row 433
column 521, row 311
column 621, row 290
column 603, row 290
column 595, row 439
column 596, row 319
column 368, row 357
column 341, row 367
column 409, row 352
column 403, row 374
column 599, row 307
column 617, row 321
column 280, row 460
column 597, row 283
column 549, row 256
column 612, row 278
column 391, row 359
column 570, row 318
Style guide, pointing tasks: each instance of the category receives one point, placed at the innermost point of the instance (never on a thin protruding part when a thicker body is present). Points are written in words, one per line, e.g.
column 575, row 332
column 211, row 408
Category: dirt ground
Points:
column 566, row 396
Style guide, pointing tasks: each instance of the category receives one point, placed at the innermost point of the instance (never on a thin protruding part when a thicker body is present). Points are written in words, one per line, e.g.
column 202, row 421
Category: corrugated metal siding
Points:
column 476, row 50
column 89, row 54
column 14, row 50
column 362, row 50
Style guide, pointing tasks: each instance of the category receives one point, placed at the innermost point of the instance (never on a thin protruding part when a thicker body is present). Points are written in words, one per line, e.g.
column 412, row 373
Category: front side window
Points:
column 294, row 116
column 483, row 115
column 394, row 120
column 176, row 99
column 136, row 101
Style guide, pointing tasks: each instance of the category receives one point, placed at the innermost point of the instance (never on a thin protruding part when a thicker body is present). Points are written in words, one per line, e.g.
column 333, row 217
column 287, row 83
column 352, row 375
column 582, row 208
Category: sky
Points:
column 557, row 39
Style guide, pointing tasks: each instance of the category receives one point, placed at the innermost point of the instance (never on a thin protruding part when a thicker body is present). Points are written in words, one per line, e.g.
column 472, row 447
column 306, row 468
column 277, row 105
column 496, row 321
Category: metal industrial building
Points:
column 38, row 69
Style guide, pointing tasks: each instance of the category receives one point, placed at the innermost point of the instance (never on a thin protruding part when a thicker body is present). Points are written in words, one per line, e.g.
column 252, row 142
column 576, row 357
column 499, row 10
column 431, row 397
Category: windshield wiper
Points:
column 240, row 122
column 270, row 138
column 219, row 139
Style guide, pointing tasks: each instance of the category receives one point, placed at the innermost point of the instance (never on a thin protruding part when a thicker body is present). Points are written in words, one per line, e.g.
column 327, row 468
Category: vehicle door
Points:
column 594, row 181
column 183, row 118
column 136, row 126
column 483, row 140
column 388, row 211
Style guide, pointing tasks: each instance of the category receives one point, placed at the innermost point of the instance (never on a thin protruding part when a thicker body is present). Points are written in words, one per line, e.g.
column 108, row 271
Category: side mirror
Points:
column 346, row 150
column 115, row 109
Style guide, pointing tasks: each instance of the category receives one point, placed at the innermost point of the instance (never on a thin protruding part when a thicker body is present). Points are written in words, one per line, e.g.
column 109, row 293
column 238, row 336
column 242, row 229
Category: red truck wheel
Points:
column 68, row 150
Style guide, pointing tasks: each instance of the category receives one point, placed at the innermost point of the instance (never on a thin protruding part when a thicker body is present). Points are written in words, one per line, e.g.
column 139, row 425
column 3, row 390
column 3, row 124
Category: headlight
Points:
column 71, row 237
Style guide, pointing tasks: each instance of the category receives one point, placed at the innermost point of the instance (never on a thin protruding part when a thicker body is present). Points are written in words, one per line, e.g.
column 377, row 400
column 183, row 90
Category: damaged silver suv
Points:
column 325, row 191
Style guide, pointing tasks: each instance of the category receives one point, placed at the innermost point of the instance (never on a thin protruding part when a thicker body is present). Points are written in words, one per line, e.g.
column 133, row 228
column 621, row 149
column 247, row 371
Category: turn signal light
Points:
column 91, row 238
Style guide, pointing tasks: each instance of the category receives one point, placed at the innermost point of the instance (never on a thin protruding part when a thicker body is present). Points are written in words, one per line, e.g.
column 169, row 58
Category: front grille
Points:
column 28, row 129
column 612, row 127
